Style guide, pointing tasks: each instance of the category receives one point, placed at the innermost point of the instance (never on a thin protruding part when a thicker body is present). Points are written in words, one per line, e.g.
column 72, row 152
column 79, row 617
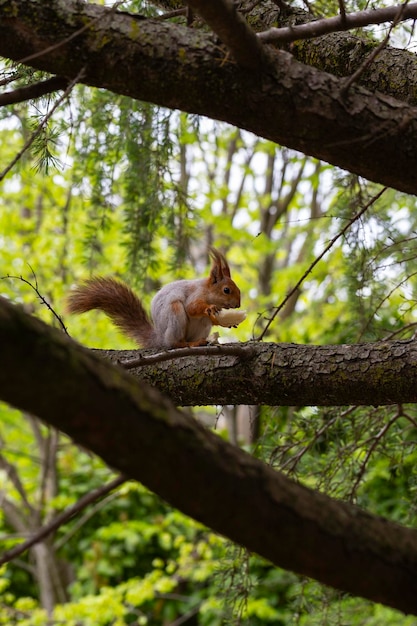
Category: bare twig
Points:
column 40, row 296
column 170, row 14
column 62, row 518
column 338, row 23
column 294, row 460
column 317, row 259
column 81, row 521
column 384, row 299
column 233, row 30
column 376, row 440
column 399, row 331
column 30, row 92
column 238, row 349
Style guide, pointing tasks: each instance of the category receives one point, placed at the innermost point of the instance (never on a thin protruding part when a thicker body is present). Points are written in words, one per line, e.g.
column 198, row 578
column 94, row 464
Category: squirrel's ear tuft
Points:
column 220, row 267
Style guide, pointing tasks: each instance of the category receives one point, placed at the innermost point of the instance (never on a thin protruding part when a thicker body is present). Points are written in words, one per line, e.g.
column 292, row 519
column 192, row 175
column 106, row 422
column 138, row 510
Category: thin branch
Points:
column 338, row 23
column 375, row 441
column 186, row 616
column 13, row 515
column 13, row 476
column 37, row 433
column 40, row 296
column 239, row 350
column 174, row 13
column 317, row 259
column 84, row 519
column 10, row 78
column 31, row 92
column 62, row 518
column 294, row 460
column 233, row 30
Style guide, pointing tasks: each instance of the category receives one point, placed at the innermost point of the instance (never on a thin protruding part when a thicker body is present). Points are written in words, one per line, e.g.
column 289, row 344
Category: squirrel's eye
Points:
column 226, row 290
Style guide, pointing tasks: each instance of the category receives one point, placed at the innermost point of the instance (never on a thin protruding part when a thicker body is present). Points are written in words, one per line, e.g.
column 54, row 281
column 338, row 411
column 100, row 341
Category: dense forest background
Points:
column 111, row 185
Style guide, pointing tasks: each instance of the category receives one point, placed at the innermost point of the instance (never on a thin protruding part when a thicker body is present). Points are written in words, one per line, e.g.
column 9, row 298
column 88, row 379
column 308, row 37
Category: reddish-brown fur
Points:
column 182, row 311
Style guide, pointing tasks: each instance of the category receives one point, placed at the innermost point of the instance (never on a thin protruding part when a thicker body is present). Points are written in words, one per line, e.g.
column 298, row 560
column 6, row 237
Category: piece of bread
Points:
column 230, row 317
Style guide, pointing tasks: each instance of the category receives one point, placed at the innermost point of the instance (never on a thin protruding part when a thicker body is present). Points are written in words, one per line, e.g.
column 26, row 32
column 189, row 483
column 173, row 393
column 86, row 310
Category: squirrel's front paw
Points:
column 212, row 311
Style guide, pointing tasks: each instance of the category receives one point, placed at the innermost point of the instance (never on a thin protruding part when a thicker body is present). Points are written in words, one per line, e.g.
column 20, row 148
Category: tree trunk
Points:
column 47, row 573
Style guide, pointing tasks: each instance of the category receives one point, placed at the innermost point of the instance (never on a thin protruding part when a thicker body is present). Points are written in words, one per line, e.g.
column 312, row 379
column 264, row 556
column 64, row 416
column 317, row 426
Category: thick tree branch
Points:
column 173, row 66
column 283, row 374
column 138, row 431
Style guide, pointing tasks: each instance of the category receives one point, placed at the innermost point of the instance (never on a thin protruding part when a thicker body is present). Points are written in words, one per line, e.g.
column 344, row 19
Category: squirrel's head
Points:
column 224, row 292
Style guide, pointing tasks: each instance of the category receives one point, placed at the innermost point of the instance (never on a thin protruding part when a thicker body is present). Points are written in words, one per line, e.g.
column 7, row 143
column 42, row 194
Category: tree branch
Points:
column 239, row 350
column 233, row 30
column 282, row 374
column 295, row 105
column 31, row 92
column 61, row 519
column 393, row 72
column 318, row 258
column 173, row 455
column 349, row 21
column 13, row 476
column 14, row 516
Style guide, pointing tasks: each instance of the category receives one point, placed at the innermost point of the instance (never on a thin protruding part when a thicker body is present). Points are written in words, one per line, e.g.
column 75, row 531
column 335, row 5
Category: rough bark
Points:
column 393, row 72
column 285, row 374
column 137, row 430
column 178, row 67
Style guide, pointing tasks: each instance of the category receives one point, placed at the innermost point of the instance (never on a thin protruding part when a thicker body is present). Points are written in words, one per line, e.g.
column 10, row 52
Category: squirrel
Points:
column 183, row 311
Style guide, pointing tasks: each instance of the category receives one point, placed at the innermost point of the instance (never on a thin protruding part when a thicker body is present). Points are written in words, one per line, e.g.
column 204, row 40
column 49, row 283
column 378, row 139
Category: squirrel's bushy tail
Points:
column 119, row 302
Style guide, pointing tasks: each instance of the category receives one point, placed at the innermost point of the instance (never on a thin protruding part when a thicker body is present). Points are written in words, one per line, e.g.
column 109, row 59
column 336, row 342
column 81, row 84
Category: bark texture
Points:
column 284, row 374
column 393, row 72
column 178, row 67
column 139, row 431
